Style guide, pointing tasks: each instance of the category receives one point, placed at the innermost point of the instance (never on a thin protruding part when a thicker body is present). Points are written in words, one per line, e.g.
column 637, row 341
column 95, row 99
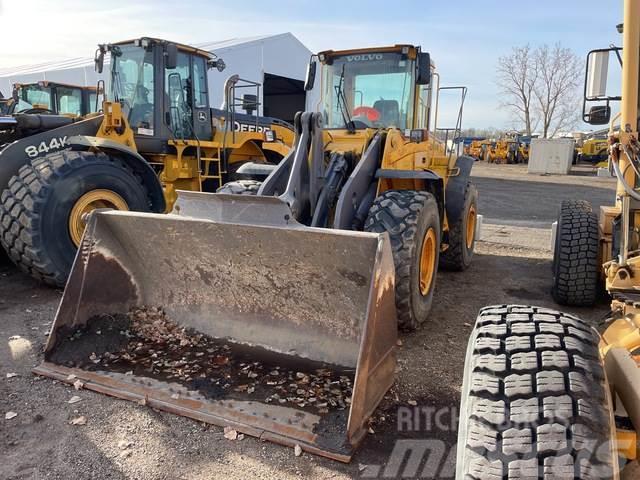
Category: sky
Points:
column 465, row 37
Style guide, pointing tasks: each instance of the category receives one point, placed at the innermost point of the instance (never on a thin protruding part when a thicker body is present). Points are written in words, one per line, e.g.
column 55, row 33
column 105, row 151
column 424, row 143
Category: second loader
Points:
column 272, row 307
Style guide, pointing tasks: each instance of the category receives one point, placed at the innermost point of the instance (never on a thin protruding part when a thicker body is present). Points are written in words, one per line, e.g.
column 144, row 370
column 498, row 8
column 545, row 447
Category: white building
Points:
column 278, row 62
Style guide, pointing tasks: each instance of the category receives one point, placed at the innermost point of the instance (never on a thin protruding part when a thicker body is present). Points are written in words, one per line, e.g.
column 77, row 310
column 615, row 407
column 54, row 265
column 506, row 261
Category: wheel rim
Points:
column 427, row 261
column 471, row 226
column 100, row 198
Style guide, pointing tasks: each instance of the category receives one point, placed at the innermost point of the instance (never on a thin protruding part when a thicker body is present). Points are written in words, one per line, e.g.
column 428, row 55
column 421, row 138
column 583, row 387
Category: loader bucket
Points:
column 280, row 331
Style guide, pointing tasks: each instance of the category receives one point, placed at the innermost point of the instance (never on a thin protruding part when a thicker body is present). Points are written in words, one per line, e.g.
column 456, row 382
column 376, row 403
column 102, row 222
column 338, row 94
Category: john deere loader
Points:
column 276, row 313
column 156, row 134
column 546, row 394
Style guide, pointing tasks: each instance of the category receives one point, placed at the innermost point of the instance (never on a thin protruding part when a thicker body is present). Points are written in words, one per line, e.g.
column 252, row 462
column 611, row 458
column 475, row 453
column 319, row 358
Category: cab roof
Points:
column 412, row 50
column 181, row 46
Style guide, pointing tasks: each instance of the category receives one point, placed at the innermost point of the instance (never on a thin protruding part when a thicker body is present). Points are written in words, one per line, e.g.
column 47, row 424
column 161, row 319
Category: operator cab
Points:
column 375, row 88
column 162, row 87
column 52, row 98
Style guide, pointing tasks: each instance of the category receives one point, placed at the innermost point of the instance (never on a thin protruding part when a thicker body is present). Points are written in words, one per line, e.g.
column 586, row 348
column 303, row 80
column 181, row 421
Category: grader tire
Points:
column 535, row 403
column 461, row 241
column 412, row 221
column 240, row 187
column 35, row 209
column 575, row 259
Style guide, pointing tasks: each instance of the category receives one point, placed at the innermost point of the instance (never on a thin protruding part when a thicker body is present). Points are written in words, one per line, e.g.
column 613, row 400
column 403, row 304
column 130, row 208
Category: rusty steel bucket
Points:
column 238, row 268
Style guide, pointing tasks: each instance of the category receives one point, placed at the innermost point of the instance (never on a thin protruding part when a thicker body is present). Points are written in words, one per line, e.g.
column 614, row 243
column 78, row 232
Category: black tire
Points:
column 241, row 187
column 407, row 215
column 35, row 208
column 575, row 259
column 535, row 403
column 458, row 256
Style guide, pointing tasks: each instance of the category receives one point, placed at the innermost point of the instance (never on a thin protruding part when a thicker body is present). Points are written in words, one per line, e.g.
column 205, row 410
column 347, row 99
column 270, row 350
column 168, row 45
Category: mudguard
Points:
column 22, row 151
column 134, row 160
column 456, row 187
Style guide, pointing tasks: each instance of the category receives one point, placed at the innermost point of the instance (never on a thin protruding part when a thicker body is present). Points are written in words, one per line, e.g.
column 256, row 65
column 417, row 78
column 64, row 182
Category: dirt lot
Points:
column 125, row 440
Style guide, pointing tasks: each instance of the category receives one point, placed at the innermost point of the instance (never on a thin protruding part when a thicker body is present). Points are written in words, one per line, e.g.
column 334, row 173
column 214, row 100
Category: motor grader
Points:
column 546, row 394
column 310, row 271
column 156, row 134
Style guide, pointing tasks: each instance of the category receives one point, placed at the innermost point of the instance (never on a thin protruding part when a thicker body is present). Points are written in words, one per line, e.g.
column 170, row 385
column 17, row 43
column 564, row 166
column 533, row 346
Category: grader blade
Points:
column 282, row 332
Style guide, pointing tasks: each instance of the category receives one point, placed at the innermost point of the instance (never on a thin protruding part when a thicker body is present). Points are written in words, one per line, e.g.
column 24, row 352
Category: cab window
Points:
column 178, row 88
column 69, row 101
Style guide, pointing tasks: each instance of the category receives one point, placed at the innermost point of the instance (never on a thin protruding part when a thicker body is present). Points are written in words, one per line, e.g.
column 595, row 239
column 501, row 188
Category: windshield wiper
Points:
column 342, row 104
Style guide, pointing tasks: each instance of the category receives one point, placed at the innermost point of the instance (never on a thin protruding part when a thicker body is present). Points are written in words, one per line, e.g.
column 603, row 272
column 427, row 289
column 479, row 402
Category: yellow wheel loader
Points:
column 156, row 134
column 53, row 98
column 288, row 294
column 546, row 394
column 594, row 150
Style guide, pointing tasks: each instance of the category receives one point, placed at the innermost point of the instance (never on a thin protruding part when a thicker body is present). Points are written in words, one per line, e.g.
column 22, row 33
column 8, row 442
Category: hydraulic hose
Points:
column 627, row 188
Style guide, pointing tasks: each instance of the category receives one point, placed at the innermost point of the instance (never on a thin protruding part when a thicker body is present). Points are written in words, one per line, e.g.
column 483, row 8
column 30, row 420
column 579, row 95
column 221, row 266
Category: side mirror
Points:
column 599, row 115
column 597, row 73
column 171, row 51
column 99, row 59
column 216, row 63
column 423, row 75
column 310, row 78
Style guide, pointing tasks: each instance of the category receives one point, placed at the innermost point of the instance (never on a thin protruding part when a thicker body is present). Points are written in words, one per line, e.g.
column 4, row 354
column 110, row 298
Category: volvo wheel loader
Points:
column 546, row 394
column 276, row 313
column 156, row 134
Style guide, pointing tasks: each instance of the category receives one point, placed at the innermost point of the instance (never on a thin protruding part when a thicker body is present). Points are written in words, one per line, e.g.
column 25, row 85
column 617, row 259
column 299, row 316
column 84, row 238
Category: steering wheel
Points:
column 35, row 110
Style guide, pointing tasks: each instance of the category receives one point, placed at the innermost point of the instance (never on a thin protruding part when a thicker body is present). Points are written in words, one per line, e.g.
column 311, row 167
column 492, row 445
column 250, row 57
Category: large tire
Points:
column 575, row 258
column 35, row 208
column 462, row 234
column 240, row 187
column 534, row 400
column 408, row 216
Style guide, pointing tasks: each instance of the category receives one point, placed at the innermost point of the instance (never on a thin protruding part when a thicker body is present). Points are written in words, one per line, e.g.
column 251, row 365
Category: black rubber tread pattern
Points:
column 399, row 213
column 22, row 205
column 240, row 187
column 575, row 263
column 457, row 257
column 534, row 404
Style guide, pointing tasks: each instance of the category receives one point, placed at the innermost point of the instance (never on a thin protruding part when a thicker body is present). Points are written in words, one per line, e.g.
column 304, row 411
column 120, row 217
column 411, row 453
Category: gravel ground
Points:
column 123, row 440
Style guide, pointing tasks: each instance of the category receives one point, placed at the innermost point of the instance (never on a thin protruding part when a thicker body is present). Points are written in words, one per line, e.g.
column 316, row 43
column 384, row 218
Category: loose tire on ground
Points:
column 575, row 260
column 412, row 220
column 534, row 401
column 462, row 234
column 240, row 187
column 35, row 208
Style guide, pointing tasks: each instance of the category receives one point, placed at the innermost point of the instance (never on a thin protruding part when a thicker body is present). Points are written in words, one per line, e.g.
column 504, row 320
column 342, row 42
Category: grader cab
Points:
column 291, row 289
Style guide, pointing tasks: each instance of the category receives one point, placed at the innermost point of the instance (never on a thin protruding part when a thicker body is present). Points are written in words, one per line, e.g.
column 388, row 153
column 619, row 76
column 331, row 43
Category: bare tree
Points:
column 540, row 86
column 516, row 80
column 556, row 89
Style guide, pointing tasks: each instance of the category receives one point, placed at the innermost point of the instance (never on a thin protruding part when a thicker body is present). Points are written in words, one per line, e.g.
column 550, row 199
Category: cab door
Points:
column 187, row 98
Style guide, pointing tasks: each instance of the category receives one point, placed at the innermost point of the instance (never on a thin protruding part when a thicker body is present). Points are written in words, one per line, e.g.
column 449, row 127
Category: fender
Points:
column 133, row 159
column 22, row 151
column 456, row 186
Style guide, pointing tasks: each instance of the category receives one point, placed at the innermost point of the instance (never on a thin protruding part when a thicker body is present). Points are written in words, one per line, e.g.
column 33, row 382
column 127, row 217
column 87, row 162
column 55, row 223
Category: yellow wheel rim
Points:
column 428, row 261
column 471, row 226
column 100, row 198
